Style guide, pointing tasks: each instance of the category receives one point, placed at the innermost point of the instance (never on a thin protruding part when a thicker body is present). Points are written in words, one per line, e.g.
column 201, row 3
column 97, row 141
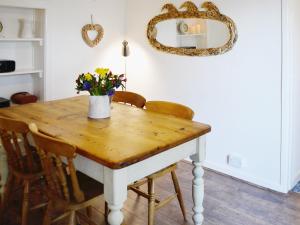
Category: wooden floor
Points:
column 227, row 202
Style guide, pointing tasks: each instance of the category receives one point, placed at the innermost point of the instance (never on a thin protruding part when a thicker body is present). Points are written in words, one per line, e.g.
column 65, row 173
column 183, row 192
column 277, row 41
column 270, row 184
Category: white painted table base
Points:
column 116, row 181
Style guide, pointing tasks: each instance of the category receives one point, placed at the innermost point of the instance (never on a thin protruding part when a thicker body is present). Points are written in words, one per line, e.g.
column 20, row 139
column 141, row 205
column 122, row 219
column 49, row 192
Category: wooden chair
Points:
column 3, row 172
column 154, row 204
column 68, row 191
column 170, row 108
column 23, row 163
column 130, row 98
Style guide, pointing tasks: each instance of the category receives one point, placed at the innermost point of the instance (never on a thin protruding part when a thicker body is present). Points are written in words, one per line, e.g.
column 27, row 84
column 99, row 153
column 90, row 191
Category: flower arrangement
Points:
column 103, row 82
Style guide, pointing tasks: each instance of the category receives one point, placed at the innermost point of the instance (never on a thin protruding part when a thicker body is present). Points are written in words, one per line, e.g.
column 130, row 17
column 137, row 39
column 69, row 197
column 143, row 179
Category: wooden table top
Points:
column 129, row 136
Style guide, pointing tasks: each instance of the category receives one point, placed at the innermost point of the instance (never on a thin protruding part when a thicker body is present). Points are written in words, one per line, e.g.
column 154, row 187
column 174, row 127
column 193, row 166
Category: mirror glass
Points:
column 192, row 33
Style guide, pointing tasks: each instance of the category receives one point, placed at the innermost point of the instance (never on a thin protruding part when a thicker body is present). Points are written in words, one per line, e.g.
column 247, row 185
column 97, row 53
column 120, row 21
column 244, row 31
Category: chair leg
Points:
column 6, row 196
column 179, row 194
column 72, row 220
column 151, row 202
column 89, row 211
column 47, row 216
column 77, row 219
column 8, row 189
column 25, row 204
column 137, row 187
column 106, row 212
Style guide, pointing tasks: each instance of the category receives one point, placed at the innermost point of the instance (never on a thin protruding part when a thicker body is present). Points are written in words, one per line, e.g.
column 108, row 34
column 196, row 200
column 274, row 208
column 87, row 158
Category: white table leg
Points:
column 198, row 182
column 115, row 193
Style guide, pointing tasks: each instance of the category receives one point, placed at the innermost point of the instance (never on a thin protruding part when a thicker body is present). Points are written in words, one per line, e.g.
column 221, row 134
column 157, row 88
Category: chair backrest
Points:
column 21, row 157
column 57, row 161
column 170, row 108
column 131, row 98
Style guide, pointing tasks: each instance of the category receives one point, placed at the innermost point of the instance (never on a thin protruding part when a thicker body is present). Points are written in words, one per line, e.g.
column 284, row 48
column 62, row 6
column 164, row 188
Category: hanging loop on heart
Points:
column 92, row 27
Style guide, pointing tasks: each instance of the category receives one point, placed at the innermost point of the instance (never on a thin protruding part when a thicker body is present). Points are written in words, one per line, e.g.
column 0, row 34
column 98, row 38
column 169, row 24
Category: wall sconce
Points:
column 125, row 53
column 126, row 50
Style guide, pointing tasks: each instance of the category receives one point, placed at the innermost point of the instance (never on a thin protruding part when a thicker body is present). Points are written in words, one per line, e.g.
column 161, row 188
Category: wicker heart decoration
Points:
column 92, row 27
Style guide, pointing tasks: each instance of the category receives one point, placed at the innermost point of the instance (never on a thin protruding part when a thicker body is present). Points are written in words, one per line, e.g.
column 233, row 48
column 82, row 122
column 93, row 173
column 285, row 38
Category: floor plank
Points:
column 228, row 201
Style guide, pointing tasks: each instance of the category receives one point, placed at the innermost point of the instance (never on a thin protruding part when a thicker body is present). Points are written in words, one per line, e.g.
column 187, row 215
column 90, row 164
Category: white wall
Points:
column 167, row 33
column 68, row 55
column 217, row 34
column 238, row 93
column 294, row 50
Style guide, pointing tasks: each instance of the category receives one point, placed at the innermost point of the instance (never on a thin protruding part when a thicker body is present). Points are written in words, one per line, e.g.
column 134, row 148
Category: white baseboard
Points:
column 246, row 177
column 295, row 180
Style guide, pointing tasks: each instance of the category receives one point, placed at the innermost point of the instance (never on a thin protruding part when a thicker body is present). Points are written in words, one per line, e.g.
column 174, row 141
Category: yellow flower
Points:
column 88, row 76
column 102, row 72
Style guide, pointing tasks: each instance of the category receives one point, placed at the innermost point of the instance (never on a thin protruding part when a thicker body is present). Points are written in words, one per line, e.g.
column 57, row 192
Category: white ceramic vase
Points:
column 99, row 107
column 26, row 28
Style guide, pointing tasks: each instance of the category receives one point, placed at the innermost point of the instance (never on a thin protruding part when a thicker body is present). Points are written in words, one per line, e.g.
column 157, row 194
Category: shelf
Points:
column 28, row 51
column 40, row 40
column 23, row 72
column 191, row 35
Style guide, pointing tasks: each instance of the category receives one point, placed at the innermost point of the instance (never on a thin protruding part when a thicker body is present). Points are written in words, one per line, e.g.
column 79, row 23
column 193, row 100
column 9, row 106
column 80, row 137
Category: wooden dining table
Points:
column 130, row 145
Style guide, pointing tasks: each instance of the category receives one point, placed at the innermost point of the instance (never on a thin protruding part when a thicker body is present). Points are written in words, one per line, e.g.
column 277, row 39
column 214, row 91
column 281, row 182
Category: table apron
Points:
column 89, row 167
column 160, row 161
column 141, row 169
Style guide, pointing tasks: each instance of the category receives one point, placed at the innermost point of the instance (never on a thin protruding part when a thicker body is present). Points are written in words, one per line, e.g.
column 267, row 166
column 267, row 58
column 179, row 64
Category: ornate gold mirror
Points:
column 192, row 32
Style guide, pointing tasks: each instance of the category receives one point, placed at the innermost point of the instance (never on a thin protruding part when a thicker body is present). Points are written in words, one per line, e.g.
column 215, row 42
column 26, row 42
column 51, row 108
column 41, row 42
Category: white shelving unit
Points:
column 191, row 35
column 196, row 37
column 24, row 72
column 40, row 40
column 28, row 53
column 192, row 40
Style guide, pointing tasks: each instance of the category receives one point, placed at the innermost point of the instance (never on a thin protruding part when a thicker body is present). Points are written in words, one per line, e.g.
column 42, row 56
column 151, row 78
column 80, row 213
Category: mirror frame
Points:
column 210, row 12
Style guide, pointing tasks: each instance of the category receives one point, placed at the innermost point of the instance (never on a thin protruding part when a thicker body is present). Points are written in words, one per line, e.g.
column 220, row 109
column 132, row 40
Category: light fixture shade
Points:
column 125, row 50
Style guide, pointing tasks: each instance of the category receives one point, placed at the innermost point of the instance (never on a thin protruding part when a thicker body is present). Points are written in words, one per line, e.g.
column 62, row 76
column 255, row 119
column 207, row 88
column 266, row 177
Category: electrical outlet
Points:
column 235, row 161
